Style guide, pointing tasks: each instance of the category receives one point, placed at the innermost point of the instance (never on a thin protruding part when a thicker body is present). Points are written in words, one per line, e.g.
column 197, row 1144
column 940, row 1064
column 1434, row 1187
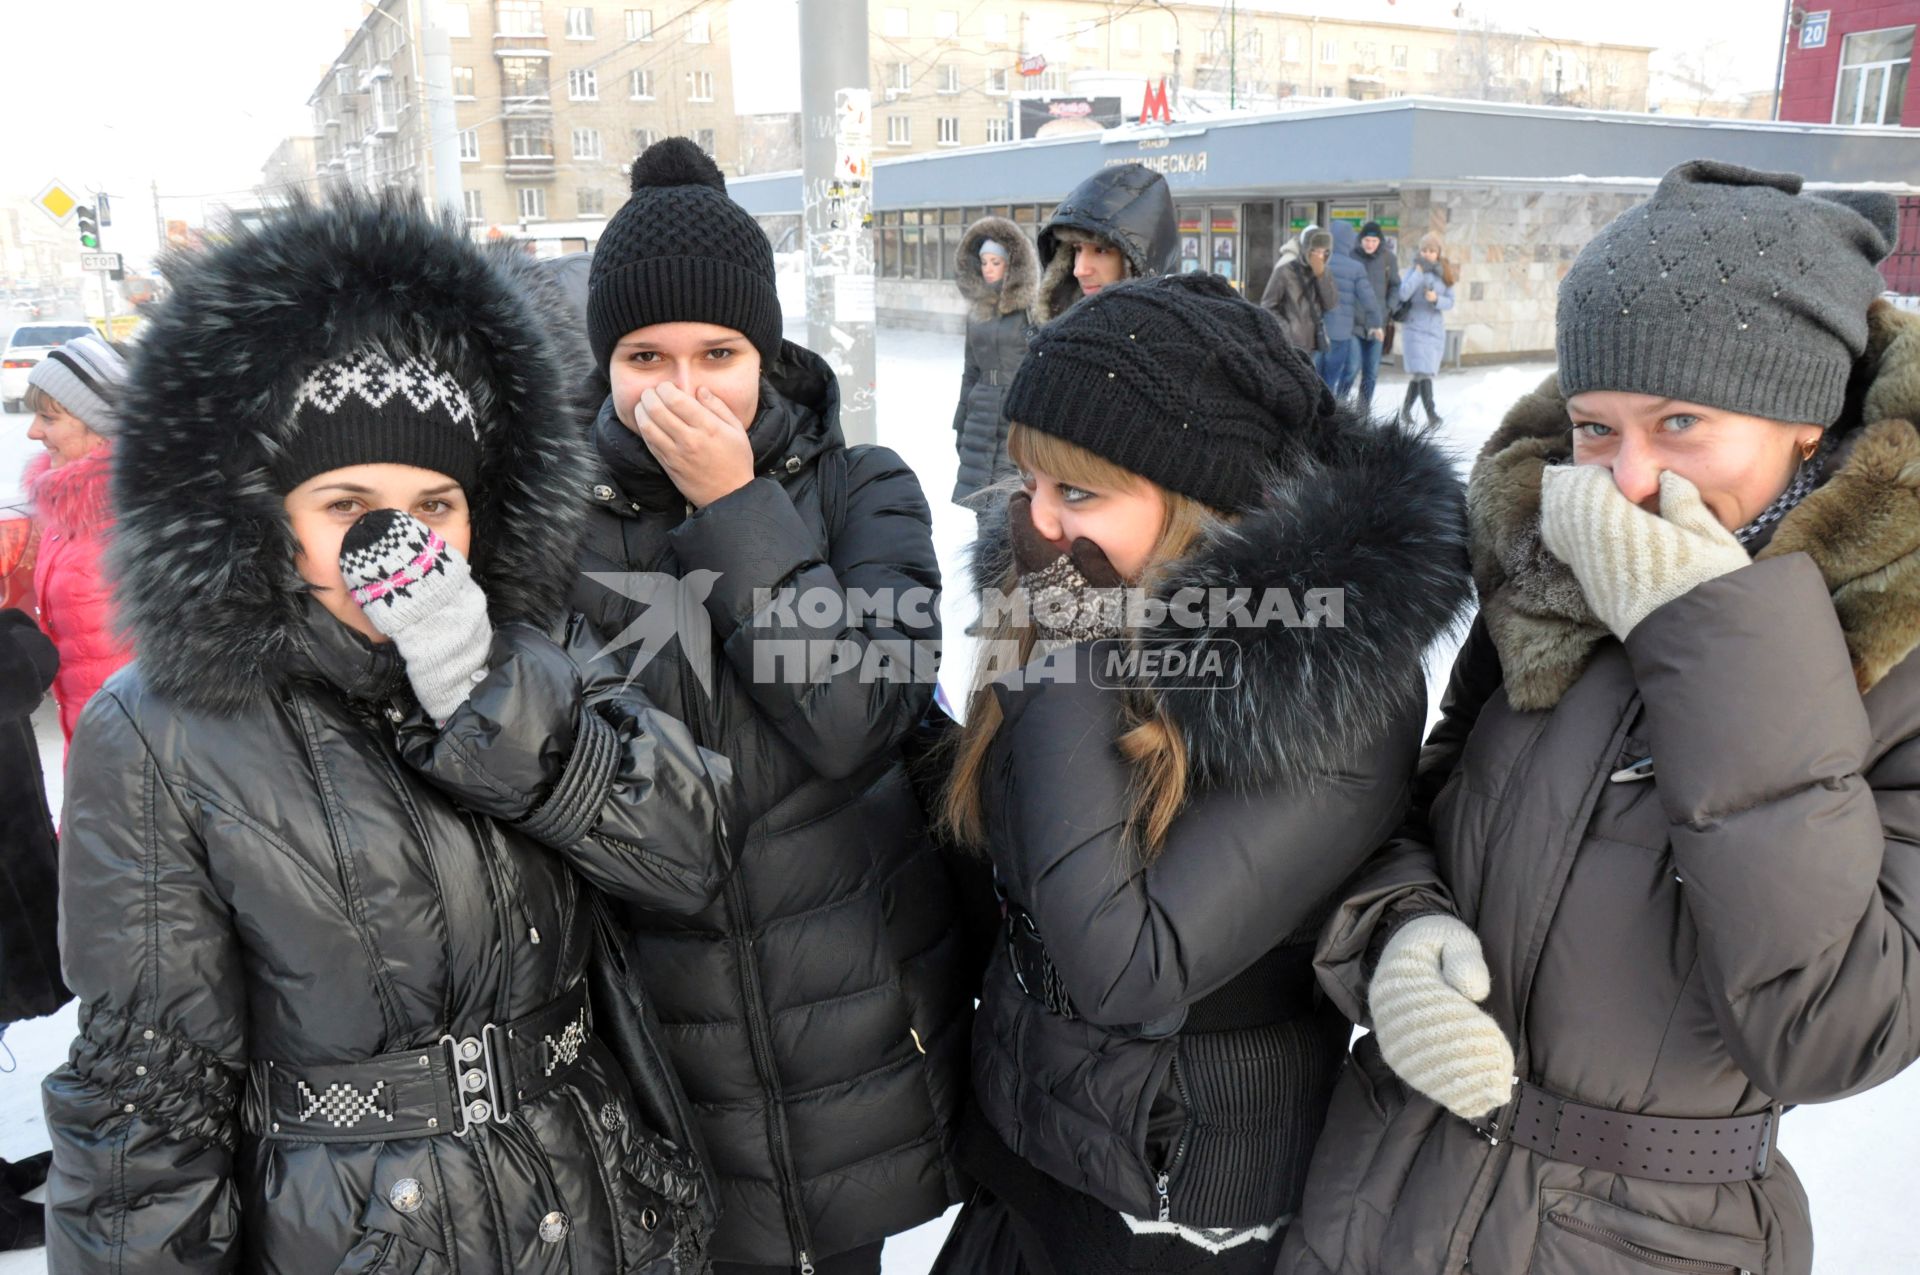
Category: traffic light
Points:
column 105, row 209
column 89, row 227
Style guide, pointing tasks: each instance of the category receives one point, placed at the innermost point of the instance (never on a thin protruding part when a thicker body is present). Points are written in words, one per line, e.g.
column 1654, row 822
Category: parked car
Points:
column 25, row 306
column 26, row 347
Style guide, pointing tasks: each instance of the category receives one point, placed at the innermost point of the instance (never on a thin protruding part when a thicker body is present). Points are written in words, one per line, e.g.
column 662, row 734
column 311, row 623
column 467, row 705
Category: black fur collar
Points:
column 203, row 556
column 1375, row 510
column 1016, row 291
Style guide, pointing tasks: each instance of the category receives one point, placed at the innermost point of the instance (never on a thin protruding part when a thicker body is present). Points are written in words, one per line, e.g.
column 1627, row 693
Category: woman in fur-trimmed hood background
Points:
column 1662, row 863
column 328, row 881
column 997, row 272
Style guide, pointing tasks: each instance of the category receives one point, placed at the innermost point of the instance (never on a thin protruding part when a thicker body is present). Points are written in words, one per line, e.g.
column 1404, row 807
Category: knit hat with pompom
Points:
column 681, row 251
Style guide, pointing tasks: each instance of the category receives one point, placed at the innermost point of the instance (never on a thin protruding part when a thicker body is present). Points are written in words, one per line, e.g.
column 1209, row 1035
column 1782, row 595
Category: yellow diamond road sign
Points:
column 57, row 202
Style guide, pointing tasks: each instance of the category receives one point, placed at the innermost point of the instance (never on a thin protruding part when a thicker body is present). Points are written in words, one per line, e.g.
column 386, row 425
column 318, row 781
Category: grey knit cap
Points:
column 1731, row 289
column 84, row 376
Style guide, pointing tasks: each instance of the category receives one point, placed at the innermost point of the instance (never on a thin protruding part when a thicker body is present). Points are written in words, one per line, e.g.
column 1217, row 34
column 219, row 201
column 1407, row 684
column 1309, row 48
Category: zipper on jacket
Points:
column 763, row 1062
column 1163, row 1185
column 1640, row 1253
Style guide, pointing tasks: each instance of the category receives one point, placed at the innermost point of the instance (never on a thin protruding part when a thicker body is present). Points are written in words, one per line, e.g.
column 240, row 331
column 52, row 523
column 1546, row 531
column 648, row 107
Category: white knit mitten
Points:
column 418, row 590
column 1426, row 1016
column 1630, row 562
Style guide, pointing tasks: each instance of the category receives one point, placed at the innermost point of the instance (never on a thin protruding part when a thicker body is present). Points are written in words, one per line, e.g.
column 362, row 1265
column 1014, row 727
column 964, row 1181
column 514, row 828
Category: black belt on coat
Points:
column 451, row 1086
column 1654, row 1148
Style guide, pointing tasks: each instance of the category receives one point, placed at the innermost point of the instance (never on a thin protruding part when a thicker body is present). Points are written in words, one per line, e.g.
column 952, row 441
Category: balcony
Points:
column 530, row 167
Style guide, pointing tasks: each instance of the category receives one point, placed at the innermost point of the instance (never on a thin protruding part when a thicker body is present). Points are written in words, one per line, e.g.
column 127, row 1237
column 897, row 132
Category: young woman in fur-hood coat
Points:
column 331, row 955
column 1663, row 865
column 1151, row 1062
column 996, row 342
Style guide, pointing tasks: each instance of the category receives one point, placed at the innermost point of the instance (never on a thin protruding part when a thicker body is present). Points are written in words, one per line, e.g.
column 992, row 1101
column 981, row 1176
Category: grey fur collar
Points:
column 1371, row 509
column 1860, row 527
column 1016, row 291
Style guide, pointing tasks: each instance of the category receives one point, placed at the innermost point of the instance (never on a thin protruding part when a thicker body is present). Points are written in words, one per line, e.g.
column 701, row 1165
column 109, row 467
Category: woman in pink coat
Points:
column 72, row 394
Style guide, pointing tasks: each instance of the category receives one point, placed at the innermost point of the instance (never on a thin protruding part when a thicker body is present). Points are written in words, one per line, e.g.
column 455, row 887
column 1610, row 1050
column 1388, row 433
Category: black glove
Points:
column 28, row 661
column 1073, row 594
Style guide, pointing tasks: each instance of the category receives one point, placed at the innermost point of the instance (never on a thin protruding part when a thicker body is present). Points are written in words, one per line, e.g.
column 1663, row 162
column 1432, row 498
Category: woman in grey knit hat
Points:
column 1660, row 878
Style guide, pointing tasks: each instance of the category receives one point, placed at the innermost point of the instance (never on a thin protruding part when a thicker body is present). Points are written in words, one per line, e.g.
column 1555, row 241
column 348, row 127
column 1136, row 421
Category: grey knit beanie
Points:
column 84, row 376
column 1731, row 289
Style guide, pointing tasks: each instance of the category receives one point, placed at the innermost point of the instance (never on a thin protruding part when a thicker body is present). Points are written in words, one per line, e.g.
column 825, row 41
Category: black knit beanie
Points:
column 1371, row 229
column 1731, row 289
column 367, row 408
column 680, row 251
column 1178, row 379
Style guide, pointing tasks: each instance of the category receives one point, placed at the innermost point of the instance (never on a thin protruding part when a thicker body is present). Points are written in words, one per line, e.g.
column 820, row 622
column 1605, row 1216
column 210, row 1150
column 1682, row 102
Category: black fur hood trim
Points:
column 203, row 556
column 1376, row 510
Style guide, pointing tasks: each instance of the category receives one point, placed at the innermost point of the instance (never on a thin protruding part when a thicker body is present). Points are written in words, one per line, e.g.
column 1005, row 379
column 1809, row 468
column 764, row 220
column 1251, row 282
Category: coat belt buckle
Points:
column 1489, row 1126
column 474, row 1071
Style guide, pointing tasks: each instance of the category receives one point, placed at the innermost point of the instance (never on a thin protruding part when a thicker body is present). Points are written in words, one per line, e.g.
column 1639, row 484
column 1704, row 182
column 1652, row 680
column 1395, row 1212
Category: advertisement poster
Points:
column 1057, row 116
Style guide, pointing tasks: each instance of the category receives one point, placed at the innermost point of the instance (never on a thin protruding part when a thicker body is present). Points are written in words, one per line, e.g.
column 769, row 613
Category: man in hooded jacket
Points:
column 1118, row 224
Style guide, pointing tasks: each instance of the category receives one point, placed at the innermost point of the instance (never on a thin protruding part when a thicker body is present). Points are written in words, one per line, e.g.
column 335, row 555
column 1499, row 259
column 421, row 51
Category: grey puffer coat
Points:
column 1738, row 931
column 997, row 326
column 1300, row 768
column 274, row 866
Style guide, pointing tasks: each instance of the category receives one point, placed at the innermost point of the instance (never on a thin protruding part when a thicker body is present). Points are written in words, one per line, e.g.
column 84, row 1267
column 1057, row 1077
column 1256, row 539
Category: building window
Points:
column 1399, row 57
column 642, row 86
column 1130, row 37
column 996, row 28
column 703, row 138
column 949, row 78
column 1433, row 61
column 699, row 28
column 579, row 22
column 583, row 84
column 894, row 23
column 643, row 138
column 1051, row 80
column 593, row 203
column 523, row 77
column 469, row 145
column 1255, row 45
column 1364, row 55
column 997, row 80
column 1326, row 90
column 586, row 144
column 899, row 130
column 1610, row 72
column 699, row 86
column 899, row 77
column 639, row 25
column 946, row 24
column 533, row 204
column 1289, row 48
column 518, row 17
column 998, row 131
column 529, row 139
column 458, row 22
column 1329, row 52
column 1874, row 66
column 471, row 198
column 463, row 81
column 949, row 130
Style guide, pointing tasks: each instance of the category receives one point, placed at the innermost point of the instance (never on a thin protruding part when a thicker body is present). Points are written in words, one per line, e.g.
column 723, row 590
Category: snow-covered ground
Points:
column 1855, row 1157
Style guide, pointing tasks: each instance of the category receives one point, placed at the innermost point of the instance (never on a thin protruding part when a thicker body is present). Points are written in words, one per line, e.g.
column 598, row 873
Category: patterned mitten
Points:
column 418, row 590
column 1425, row 999
column 1629, row 562
column 1071, row 596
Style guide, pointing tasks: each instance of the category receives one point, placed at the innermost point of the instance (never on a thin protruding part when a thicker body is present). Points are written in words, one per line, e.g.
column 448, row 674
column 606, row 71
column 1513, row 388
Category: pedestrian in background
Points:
column 1426, row 296
column 1118, row 224
column 1383, row 279
column 74, row 395
column 1356, row 314
column 1301, row 290
column 997, row 272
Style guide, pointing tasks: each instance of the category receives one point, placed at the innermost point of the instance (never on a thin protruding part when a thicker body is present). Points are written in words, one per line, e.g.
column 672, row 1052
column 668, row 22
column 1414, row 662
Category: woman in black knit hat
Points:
column 1214, row 588
column 818, row 1011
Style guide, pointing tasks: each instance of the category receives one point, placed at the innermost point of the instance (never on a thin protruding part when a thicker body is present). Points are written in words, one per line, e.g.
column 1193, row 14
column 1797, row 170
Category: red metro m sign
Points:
column 1154, row 105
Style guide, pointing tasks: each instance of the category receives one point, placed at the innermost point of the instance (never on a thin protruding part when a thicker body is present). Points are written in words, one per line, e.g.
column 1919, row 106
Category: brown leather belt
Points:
column 1656, row 1148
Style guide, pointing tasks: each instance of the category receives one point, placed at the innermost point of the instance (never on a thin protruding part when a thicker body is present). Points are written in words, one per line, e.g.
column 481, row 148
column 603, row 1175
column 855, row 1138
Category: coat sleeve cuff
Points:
column 755, row 539
column 573, row 806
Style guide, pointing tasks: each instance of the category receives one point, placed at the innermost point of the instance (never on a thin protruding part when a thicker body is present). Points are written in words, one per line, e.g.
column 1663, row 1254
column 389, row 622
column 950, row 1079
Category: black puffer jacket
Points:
column 997, row 327
column 1190, row 1068
column 1128, row 206
column 29, row 958
column 819, row 1011
column 287, row 900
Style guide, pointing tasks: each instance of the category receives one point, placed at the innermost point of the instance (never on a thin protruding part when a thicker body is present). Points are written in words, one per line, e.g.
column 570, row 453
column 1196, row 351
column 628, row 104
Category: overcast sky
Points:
column 120, row 94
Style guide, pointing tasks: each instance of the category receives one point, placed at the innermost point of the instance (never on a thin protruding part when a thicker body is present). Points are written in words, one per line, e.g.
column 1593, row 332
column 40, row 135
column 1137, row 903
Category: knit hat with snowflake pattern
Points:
column 367, row 407
column 1731, row 289
column 680, row 251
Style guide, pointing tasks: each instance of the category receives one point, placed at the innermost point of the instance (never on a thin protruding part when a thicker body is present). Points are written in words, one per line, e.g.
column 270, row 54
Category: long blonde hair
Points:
column 1151, row 743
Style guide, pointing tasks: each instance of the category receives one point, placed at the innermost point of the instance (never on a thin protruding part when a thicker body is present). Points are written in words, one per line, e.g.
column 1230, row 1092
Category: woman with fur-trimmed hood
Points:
column 334, row 843
column 996, row 271
column 1171, row 802
column 1118, row 224
column 1662, row 865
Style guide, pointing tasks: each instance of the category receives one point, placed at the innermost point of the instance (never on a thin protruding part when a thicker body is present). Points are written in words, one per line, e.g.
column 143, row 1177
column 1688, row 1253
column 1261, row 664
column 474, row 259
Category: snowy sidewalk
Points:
column 1855, row 1157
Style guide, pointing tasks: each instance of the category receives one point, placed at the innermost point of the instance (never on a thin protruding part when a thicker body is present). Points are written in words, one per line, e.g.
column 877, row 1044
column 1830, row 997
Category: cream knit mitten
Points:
column 1425, row 999
column 1630, row 562
column 418, row 590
